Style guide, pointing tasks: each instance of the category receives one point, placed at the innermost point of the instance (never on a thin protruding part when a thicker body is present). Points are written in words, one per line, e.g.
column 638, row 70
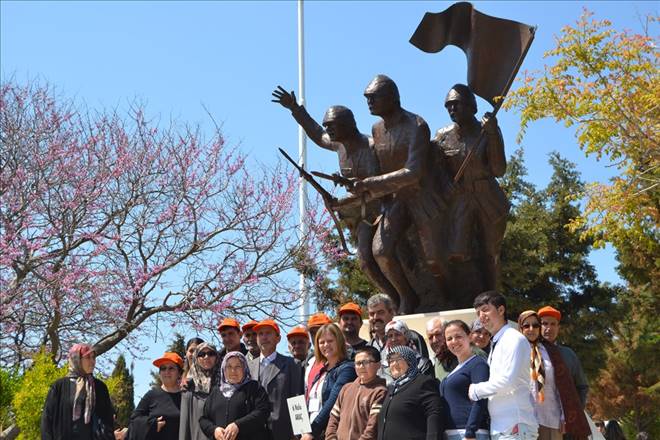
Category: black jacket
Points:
column 413, row 413
column 248, row 407
column 154, row 404
column 281, row 379
column 56, row 418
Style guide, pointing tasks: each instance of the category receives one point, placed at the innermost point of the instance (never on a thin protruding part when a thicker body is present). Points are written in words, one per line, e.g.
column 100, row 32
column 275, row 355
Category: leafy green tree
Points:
column 605, row 83
column 628, row 387
column 10, row 381
column 30, row 398
column 121, row 391
column 544, row 262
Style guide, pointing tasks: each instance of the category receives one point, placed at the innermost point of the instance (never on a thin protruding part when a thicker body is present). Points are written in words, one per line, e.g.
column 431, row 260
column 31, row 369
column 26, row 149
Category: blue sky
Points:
column 180, row 57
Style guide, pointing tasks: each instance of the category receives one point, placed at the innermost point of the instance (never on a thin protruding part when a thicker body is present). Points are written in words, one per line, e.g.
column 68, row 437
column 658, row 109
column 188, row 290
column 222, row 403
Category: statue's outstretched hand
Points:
column 284, row 98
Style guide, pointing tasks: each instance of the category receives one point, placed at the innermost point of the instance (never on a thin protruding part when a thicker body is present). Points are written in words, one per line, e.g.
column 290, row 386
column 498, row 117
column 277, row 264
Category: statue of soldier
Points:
column 402, row 143
column 477, row 205
column 357, row 160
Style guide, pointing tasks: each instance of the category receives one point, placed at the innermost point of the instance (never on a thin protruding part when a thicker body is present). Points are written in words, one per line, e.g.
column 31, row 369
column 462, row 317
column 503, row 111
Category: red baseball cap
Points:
column 298, row 330
column 169, row 357
column 549, row 311
column 318, row 319
column 350, row 308
column 248, row 325
column 267, row 323
column 229, row 322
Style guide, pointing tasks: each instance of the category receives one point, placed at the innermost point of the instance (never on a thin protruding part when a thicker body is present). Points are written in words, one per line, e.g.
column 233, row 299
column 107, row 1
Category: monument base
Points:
column 418, row 321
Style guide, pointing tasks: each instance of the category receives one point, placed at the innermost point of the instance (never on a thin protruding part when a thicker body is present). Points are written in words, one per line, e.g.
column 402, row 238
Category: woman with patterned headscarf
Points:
column 238, row 407
column 78, row 406
column 556, row 403
column 202, row 372
column 397, row 333
column 412, row 408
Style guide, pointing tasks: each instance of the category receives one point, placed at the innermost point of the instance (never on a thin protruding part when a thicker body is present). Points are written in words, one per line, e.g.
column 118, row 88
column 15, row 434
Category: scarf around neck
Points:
column 536, row 368
column 85, row 395
column 203, row 378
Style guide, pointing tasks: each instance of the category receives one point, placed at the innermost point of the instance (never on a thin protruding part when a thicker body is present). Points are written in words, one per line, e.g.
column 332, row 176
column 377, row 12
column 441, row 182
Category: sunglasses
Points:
column 205, row 354
column 536, row 325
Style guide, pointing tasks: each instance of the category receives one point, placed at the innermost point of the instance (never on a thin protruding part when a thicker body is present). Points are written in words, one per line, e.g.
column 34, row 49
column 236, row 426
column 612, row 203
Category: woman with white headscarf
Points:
column 78, row 406
column 412, row 408
column 202, row 372
column 238, row 407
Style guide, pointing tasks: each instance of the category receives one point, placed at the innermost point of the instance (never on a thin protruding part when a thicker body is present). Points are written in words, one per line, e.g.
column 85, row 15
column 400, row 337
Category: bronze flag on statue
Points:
column 494, row 47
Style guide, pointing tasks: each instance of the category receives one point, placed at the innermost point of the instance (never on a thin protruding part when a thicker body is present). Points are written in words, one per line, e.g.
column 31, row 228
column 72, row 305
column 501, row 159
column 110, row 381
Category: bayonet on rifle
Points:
column 337, row 179
column 328, row 199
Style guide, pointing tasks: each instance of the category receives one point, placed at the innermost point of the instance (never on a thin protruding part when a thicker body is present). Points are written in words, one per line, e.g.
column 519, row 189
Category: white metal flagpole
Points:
column 302, row 158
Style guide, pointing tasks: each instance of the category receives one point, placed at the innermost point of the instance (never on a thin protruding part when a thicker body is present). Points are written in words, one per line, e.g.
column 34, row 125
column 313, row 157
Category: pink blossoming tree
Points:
column 108, row 221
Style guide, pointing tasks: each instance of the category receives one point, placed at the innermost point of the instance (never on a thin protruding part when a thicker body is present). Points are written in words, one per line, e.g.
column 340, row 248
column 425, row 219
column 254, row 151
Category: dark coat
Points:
column 154, row 404
column 56, row 418
column 335, row 379
column 414, row 412
column 282, row 379
column 248, row 407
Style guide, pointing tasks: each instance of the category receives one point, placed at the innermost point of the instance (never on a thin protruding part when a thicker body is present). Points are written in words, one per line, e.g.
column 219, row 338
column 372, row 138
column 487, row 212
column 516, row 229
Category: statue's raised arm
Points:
column 315, row 132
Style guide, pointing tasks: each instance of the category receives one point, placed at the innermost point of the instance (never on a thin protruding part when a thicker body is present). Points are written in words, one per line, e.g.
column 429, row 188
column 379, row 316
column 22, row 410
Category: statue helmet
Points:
column 383, row 84
column 462, row 93
column 339, row 112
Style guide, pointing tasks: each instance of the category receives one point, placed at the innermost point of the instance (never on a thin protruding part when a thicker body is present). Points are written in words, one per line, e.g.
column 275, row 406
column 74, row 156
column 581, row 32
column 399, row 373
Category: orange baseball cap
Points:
column 267, row 323
column 229, row 322
column 318, row 319
column 549, row 311
column 248, row 325
column 350, row 308
column 169, row 357
column 298, row 330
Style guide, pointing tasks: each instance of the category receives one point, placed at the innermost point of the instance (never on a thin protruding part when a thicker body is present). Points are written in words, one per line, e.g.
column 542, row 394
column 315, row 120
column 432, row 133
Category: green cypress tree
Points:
column 122, row 394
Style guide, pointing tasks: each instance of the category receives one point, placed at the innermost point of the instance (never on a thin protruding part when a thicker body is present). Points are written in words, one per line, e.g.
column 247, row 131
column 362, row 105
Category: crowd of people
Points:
column 487, row 380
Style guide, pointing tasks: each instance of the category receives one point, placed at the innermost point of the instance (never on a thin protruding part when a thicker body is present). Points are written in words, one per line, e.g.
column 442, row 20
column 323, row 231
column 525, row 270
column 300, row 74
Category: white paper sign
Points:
column 299, row 415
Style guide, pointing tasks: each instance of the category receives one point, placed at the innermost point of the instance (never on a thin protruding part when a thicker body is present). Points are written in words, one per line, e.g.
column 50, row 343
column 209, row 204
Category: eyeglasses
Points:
column 164, row 368
column 394, row 360
column 207, row 354
column 364, row 363
column 535, row 325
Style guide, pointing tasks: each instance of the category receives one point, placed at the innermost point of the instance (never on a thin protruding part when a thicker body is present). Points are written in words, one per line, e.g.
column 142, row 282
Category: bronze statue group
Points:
column 412, row 198
column 486, row 380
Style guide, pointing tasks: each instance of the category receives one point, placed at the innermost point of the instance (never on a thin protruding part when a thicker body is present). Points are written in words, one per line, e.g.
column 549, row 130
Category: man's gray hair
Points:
column 381, row 298
column 433, row 322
